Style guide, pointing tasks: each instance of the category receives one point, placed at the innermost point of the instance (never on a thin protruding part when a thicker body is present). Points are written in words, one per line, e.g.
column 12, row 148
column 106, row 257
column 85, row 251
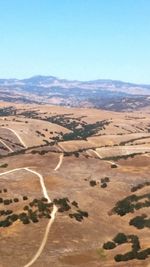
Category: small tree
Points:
column 120, row 238
column 109, row 245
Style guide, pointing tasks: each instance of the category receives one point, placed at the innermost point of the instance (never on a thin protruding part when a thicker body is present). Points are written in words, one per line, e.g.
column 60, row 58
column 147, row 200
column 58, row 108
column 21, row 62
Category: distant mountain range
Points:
column 108, row 94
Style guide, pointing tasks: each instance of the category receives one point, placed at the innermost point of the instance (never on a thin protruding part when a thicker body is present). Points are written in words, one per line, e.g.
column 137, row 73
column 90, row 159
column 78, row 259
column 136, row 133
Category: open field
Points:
column 68, row 169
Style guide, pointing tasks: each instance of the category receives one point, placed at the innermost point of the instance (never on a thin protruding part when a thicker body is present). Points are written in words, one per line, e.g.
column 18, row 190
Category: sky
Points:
column 75, row 39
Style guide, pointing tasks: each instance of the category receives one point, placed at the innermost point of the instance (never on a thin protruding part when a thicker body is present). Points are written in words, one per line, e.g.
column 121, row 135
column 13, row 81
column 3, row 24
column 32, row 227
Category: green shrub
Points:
column 5, row 165
column 16, row 199
column 25, row 198
column 103, row 185
column 118, row 258
column 120, row 238
column 109, row 245
column 92, row 183
column 113, row 166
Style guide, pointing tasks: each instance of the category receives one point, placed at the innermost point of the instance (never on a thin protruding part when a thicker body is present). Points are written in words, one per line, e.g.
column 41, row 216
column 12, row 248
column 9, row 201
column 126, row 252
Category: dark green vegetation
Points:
column 132, row 140
column 120, row 238
column 67, row 121
column 79, row 215
column 140, row 186
column 85, row 131
column 116, row 158
column 93, row 183
column 140, row 221
column 113, row 166
column 135, row 253
column 64, row 205
column 80, row 129
column 8, row 111
column 131, row 203
column 36, row 209
column 103, row 182
column 109, row 245
column 4, row 165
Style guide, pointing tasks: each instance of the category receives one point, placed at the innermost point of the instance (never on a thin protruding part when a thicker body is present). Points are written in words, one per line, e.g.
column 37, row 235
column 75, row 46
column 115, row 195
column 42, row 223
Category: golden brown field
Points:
column 82, row 161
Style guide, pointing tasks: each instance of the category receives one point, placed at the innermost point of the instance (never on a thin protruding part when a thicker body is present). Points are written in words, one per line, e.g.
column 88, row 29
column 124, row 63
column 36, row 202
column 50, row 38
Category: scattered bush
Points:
column 120, row 238
column 92, row 183
column 113, row 166
column 5, row 165
column 25, row 198
column 5, row 190
column 109, row 245
column 16, row 199
column 104, row 185
column 7, row 201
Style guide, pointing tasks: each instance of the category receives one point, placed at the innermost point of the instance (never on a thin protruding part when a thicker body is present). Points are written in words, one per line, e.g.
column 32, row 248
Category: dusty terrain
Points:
column 57, row 153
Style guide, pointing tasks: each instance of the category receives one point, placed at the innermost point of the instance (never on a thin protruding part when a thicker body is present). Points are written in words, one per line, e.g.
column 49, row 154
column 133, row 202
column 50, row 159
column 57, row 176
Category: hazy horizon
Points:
column 78, row 80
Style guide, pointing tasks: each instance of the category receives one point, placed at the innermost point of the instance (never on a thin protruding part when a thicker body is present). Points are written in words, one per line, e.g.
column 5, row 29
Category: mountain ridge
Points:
column 102, row 93
column 50, row 77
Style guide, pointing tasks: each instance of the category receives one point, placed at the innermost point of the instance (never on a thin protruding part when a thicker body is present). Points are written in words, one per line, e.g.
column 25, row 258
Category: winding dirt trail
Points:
column 6, row 145
column 53, row 214
column 13, row 131
column 44, row 240
column 109, row 161
column 48, row 227
column 45, row 193
column 60, row 162
column 41, row 182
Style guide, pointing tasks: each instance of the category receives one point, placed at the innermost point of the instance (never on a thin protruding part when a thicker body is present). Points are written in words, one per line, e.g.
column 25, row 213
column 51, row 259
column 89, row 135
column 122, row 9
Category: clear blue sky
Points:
column 75, row 39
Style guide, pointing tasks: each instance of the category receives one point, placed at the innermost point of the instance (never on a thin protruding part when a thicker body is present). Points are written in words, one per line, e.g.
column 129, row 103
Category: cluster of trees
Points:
column 131, row 255
column 131, row 203
column 85, row 131
column 29, row 113
column 132, row 155
column 135, row 253
column 104, row 182
column 64, row 205
column 79, row 215
column 10, row 201
column 8, row 111
column 66, row 121
column 74, row 153
column 119, row 239
column 3, row 190
column 41, row 152
column 32, row 212
column 39, row 133
column 140, row 221
column 132, row 140
column 139, row 186
column 38, row 208
column 80, row 130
